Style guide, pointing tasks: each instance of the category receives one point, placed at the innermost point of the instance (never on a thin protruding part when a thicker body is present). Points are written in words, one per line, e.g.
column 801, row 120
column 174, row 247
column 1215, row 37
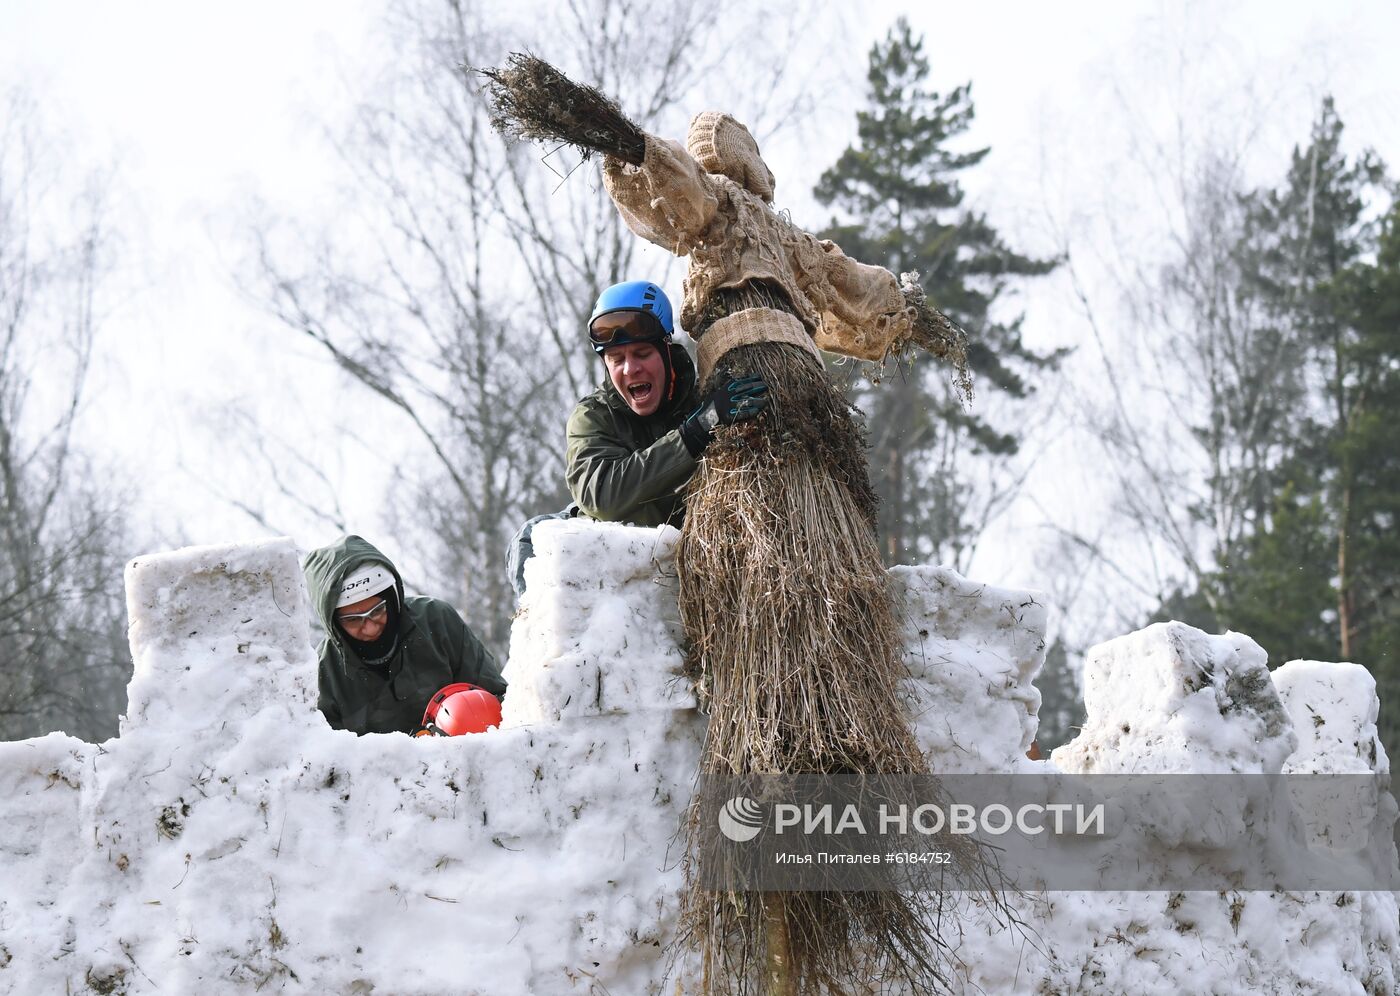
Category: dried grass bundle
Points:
column 779, row 567
column 938, row 334
column 799, row 654
column 837, row 943
column 531, row 99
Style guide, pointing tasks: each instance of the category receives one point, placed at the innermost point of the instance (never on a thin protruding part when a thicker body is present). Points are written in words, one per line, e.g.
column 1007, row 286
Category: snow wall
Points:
column 228, row 841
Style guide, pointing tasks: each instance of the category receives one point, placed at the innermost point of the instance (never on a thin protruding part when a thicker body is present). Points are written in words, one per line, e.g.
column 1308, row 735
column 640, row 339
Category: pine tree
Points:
column 1301, row 239
column 1279, row 587
column 900, row 185
column 1365, row 486
column 1316, row 571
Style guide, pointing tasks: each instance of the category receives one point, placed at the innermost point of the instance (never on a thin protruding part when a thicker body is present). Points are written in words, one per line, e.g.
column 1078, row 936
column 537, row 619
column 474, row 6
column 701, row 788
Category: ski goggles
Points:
column 617, row 328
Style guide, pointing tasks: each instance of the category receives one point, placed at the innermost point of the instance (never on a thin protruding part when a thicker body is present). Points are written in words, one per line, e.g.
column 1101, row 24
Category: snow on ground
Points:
column 228, row 841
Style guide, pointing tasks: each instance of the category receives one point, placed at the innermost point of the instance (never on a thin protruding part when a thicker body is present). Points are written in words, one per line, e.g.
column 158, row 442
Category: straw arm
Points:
column 529, row 98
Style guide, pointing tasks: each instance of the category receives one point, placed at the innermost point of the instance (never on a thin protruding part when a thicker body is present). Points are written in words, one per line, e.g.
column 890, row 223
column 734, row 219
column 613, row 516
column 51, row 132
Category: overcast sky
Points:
column 198, row 105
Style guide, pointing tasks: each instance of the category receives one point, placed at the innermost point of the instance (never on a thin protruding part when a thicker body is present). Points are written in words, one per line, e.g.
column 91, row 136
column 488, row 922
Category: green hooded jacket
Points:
column 623, row 467
column 435, row 648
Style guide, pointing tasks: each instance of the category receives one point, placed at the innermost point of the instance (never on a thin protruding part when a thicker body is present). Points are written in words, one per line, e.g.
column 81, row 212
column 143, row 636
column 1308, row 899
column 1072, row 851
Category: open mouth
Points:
column 640, row 393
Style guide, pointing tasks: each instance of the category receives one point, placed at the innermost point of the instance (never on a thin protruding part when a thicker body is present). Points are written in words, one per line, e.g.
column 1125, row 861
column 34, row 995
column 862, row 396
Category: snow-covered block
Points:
column 598, row 630
column 1170, row 698
column 972, row 651
column 218, row 633
column 1334, row 709
column 1167, row 943
column 41, row 830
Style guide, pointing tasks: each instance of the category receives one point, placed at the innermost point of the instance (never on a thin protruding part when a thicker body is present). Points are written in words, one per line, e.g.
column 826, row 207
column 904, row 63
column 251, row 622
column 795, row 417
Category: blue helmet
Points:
column 641, row 296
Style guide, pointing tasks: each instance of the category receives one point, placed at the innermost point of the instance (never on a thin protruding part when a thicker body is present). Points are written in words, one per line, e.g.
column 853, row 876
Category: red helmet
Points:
column 462, row 708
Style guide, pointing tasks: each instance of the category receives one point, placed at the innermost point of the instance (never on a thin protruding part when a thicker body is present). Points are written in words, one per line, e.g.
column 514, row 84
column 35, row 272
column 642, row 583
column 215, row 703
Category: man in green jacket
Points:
column 385, row 656
column 635, row 441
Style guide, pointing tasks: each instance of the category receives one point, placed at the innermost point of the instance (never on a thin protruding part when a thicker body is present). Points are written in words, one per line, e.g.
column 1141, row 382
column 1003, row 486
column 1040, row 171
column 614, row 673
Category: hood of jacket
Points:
column 327, row 566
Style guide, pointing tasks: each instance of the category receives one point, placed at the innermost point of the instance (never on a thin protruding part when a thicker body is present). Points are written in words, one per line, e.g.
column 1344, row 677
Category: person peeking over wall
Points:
column 385, row 656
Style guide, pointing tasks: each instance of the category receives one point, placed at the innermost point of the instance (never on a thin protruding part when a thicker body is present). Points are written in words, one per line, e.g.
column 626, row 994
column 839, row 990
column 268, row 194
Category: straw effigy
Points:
column 792, row 629
column 793, row 635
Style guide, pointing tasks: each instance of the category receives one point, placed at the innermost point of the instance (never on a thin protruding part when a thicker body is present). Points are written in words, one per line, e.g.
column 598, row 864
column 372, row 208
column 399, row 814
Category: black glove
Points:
column 738, row 400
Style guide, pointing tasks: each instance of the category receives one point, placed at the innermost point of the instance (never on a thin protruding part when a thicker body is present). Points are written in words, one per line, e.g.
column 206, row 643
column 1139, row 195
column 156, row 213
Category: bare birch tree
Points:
column 1192, row 296
column 455, row 288
column 64, row 660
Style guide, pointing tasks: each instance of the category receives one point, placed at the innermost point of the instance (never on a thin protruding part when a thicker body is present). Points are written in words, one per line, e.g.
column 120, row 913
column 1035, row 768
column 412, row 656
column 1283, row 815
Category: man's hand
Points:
column 737, row 400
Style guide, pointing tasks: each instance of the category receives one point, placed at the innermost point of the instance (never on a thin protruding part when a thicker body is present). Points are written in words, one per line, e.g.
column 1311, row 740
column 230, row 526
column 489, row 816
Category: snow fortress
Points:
column 228, row 841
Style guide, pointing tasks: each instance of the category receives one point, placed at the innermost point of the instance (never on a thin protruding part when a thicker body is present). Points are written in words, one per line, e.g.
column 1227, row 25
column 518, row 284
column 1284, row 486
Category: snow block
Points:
column 973, row 651
column 1168, row 943
column 238, row 611
column 1172, row 698
column 41, row 830
column 599, row 598
column 1333, row 708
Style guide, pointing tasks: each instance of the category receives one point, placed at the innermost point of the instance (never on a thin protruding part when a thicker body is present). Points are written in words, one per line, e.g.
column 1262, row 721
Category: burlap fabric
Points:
column 747, row 327
column 721, row 144
column 732, row 235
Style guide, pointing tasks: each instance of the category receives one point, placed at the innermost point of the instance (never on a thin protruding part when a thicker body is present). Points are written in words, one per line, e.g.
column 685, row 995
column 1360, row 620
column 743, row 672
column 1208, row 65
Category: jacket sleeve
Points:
column 326, row 701
column 667, row 200
column 611, row 481
column 474, row 663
